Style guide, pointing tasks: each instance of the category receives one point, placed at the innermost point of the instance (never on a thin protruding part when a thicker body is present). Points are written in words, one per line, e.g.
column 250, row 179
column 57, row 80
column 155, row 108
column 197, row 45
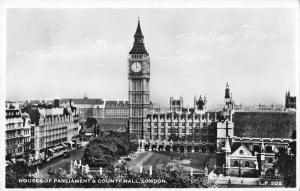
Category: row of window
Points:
column 54, row 143
column 236, row 164
column 175, row 138
column 52, row 127
column 178, row 130
column 12, row 113
column 17, row 141
column 138, row 56
column 176, row 124
column 56, row 136
column 14, row 125
column 13, row 134
column 55, row 120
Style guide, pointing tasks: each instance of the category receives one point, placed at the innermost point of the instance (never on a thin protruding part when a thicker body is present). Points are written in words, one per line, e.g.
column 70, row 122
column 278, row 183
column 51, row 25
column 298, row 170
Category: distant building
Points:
column 98, row 111
column 86, row 106
column 17, row 135
column 290, row 101
column 116, row 110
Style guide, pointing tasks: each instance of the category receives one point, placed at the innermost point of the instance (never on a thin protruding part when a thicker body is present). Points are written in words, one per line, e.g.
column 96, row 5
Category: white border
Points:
column 72, row 4
column 150, row 3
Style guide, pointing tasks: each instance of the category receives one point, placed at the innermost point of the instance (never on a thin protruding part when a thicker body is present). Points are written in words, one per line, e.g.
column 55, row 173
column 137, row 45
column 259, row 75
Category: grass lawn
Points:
column 198, row 160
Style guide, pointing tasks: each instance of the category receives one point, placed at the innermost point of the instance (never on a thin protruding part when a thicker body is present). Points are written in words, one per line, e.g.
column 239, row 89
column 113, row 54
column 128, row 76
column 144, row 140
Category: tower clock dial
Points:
column 136, row 67
column 146, row 67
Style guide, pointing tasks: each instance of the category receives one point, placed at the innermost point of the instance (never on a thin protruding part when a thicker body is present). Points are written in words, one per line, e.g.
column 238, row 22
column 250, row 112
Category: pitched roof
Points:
column 138, row 45
column 227, row 146
column 138, row 32
column 244, row 149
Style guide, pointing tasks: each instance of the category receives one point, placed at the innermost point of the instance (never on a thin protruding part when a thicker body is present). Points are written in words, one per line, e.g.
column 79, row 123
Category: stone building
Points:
column 116, row 110
column 87, row 107
column 53, row 131
column 195, row 129
column 17, row 135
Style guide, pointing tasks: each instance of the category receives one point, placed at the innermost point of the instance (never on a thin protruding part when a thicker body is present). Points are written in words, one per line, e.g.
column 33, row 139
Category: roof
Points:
column 92, row 101
column 138, row 45
column 138, row 32
column 116, row 104
column 227, row 146
column 244, row 149
column 264, row 124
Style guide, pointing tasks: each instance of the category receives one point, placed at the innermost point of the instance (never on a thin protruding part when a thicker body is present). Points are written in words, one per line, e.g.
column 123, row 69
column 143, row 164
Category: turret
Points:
column 199, row 105
column 227, row 93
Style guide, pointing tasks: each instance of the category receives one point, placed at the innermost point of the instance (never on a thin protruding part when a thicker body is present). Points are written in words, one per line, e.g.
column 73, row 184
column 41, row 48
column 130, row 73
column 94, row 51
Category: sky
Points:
column 63, row 53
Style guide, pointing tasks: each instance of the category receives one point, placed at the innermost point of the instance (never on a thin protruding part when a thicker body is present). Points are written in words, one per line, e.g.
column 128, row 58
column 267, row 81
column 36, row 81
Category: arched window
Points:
column 235, row 163
column 247, row 164
column 241, row 152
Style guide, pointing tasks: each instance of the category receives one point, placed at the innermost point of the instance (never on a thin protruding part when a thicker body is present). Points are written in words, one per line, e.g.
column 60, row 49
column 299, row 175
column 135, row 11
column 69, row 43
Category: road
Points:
column 60, row 161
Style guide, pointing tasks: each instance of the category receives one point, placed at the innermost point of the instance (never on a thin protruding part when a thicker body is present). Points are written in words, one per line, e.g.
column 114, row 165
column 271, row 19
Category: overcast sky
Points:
column 67, row 52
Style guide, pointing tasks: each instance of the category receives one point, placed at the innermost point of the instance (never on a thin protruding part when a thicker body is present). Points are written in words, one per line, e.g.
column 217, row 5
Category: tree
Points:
column 286, row 164
column 106, row 149
column 15, row 172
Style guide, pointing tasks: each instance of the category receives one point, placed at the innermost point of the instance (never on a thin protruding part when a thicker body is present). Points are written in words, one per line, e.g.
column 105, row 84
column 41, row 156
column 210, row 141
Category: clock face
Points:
column 146, row 68
column 136, row 67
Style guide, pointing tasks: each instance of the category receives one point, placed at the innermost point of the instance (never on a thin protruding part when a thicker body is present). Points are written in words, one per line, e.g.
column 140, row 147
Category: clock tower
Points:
column 138, row 78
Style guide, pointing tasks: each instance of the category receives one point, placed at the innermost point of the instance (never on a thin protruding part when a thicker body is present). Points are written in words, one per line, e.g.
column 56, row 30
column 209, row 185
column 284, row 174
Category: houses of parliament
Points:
column 243, row 141
column 185, row 129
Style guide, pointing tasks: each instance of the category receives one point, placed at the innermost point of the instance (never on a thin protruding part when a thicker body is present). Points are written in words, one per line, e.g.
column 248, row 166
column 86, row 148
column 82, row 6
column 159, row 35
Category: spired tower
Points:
column 138, row 78
column 225, row 126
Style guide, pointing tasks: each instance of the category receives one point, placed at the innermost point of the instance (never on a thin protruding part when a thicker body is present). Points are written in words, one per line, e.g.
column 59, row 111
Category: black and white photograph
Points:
column 150, row 97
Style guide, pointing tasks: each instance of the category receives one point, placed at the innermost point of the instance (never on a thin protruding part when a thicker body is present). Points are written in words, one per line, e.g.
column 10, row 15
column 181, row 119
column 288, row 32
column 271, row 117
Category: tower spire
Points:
column 138, row 32
column 138, row 44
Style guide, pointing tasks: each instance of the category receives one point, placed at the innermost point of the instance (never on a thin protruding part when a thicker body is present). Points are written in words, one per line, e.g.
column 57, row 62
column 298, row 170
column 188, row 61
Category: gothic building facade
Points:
column 184, row 129
column 187, row 129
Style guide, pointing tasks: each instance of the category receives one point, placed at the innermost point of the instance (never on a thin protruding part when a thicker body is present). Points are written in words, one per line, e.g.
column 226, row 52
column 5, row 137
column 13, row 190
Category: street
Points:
column 59, row 162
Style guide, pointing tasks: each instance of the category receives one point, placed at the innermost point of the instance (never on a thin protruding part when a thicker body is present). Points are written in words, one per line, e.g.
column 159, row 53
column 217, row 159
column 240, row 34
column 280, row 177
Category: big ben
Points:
column 138, row 77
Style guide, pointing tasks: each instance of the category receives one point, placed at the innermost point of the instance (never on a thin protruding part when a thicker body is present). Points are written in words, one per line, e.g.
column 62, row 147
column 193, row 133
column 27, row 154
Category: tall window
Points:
column 235, row 163
column 247, row 164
